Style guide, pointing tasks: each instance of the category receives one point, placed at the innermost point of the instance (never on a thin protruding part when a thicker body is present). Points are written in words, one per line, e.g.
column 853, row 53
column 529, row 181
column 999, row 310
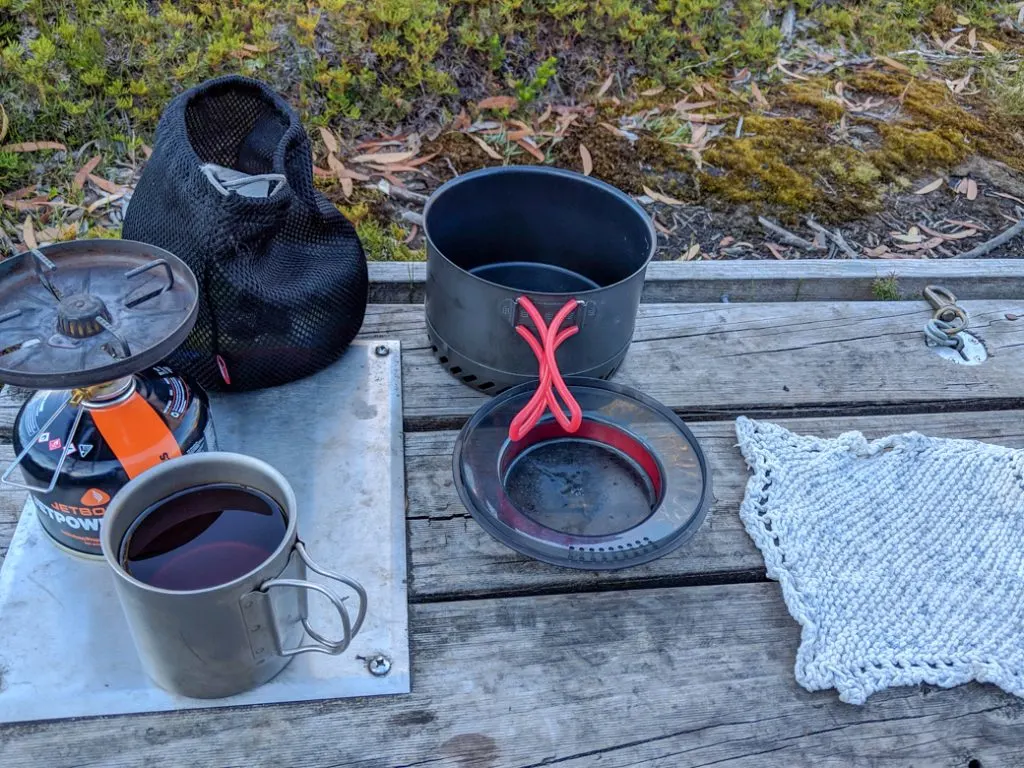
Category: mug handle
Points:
column 349, row 630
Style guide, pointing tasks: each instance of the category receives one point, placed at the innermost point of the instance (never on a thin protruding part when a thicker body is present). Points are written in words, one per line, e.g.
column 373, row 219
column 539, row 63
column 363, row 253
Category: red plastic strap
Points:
column 549, row 339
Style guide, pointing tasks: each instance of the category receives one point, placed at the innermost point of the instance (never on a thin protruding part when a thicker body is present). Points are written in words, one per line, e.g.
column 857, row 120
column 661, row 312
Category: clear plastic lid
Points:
column 631, row 485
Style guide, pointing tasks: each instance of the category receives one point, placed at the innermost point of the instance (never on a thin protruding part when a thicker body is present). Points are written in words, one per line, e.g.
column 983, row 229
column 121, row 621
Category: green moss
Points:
column 659, row 155
column 863, row 172
column 760, row 168
column 908, row 150
column 941, row 18
column 775, row 166
column 813, row 95
column 111, row 233
column 795, row 167
column 385, row 242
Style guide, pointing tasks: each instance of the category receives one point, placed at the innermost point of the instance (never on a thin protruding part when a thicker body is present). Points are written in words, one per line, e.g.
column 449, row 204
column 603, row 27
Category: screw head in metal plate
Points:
column 382, row 350
column 379, row 665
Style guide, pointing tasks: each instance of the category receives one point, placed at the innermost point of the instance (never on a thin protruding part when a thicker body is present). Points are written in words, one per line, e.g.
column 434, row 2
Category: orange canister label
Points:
column 136, row 434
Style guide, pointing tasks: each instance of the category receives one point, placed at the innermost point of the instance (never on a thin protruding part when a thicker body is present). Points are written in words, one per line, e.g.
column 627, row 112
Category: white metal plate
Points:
column 972, row 353
column 65, row 650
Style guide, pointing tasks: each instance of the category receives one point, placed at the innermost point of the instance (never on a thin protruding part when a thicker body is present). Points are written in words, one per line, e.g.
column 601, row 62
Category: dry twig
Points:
column 786, row 236
column 835, row 237
column 989, row 245
column 401, row 193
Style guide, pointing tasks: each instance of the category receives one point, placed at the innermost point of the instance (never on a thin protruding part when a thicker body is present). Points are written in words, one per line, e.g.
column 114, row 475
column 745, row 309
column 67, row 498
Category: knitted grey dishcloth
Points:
column 902, row 558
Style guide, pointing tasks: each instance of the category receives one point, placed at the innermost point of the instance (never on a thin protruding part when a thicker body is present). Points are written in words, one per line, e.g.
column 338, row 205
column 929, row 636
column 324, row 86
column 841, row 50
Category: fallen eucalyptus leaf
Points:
column 83, row 173
column 28, row 233
column 662, row 198
column 530, row 147
column 691, row 253
column 588, row 162
column 106, row 200
column 605, row 86
column 329, row 141
column 105, row 184
column 385, row 158
column 462, row 121
column 486, row 147
column 930, row 187
column 32, row 146
column 893, row 63
column 498, row 102
column 758, row 96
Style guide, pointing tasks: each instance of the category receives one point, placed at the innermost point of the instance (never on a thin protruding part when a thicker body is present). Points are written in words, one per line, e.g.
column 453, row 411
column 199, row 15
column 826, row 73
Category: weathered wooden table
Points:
column 687, row 661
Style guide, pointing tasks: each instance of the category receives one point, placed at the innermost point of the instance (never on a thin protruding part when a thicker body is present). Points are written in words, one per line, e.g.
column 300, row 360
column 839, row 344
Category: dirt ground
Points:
column 920, row 210
column 724, row 231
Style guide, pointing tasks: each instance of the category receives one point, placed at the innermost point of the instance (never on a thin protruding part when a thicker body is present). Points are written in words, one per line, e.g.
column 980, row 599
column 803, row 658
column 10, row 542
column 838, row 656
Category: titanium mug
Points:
column 228, row 638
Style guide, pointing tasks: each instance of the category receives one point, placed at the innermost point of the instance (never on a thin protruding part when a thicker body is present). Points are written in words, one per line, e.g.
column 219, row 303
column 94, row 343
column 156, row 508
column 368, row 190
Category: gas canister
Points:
column 124, row 429
column 87, row 323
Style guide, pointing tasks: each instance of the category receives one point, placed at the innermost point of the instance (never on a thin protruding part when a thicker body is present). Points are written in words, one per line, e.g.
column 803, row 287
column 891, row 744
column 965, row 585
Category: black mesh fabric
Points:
column 283, row 279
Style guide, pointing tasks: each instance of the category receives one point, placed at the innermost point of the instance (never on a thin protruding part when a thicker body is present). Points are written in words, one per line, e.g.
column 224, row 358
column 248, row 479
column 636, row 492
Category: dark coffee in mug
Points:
column 203, row 536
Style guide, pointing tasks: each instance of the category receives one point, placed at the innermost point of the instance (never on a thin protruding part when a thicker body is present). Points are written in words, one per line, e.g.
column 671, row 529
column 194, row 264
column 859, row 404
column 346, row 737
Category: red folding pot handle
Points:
column 544, row 344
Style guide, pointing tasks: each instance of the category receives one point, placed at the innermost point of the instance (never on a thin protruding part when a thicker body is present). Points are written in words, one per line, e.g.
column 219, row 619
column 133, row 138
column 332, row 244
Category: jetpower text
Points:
column 76, row 518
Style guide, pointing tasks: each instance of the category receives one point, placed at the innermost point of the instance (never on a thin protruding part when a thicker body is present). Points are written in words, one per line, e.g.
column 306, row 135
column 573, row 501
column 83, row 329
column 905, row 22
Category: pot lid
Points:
column 631, row 485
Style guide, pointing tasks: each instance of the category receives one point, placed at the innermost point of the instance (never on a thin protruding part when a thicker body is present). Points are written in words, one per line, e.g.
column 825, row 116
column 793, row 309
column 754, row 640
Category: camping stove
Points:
column 87, row 323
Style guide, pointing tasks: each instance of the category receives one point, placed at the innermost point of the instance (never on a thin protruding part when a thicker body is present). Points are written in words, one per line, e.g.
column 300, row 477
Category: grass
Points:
column 82, row 70
column 98, row 73
column 382, row 240
column 886, row 288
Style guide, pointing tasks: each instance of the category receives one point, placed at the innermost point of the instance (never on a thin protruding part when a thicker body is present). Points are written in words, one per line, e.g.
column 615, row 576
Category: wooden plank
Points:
column 453, row 557
column 677, row 677
column 761, row 281
column 11, row 502
column 11, row 399
column 715, row 360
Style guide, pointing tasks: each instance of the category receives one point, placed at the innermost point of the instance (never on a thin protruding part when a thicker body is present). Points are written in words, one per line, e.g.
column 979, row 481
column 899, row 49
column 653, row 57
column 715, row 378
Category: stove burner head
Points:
column 78, row 316
column 81, row 313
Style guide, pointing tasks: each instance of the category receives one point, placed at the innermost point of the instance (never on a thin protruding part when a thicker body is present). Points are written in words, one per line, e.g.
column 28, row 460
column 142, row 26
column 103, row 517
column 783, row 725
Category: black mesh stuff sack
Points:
column 229, row 189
